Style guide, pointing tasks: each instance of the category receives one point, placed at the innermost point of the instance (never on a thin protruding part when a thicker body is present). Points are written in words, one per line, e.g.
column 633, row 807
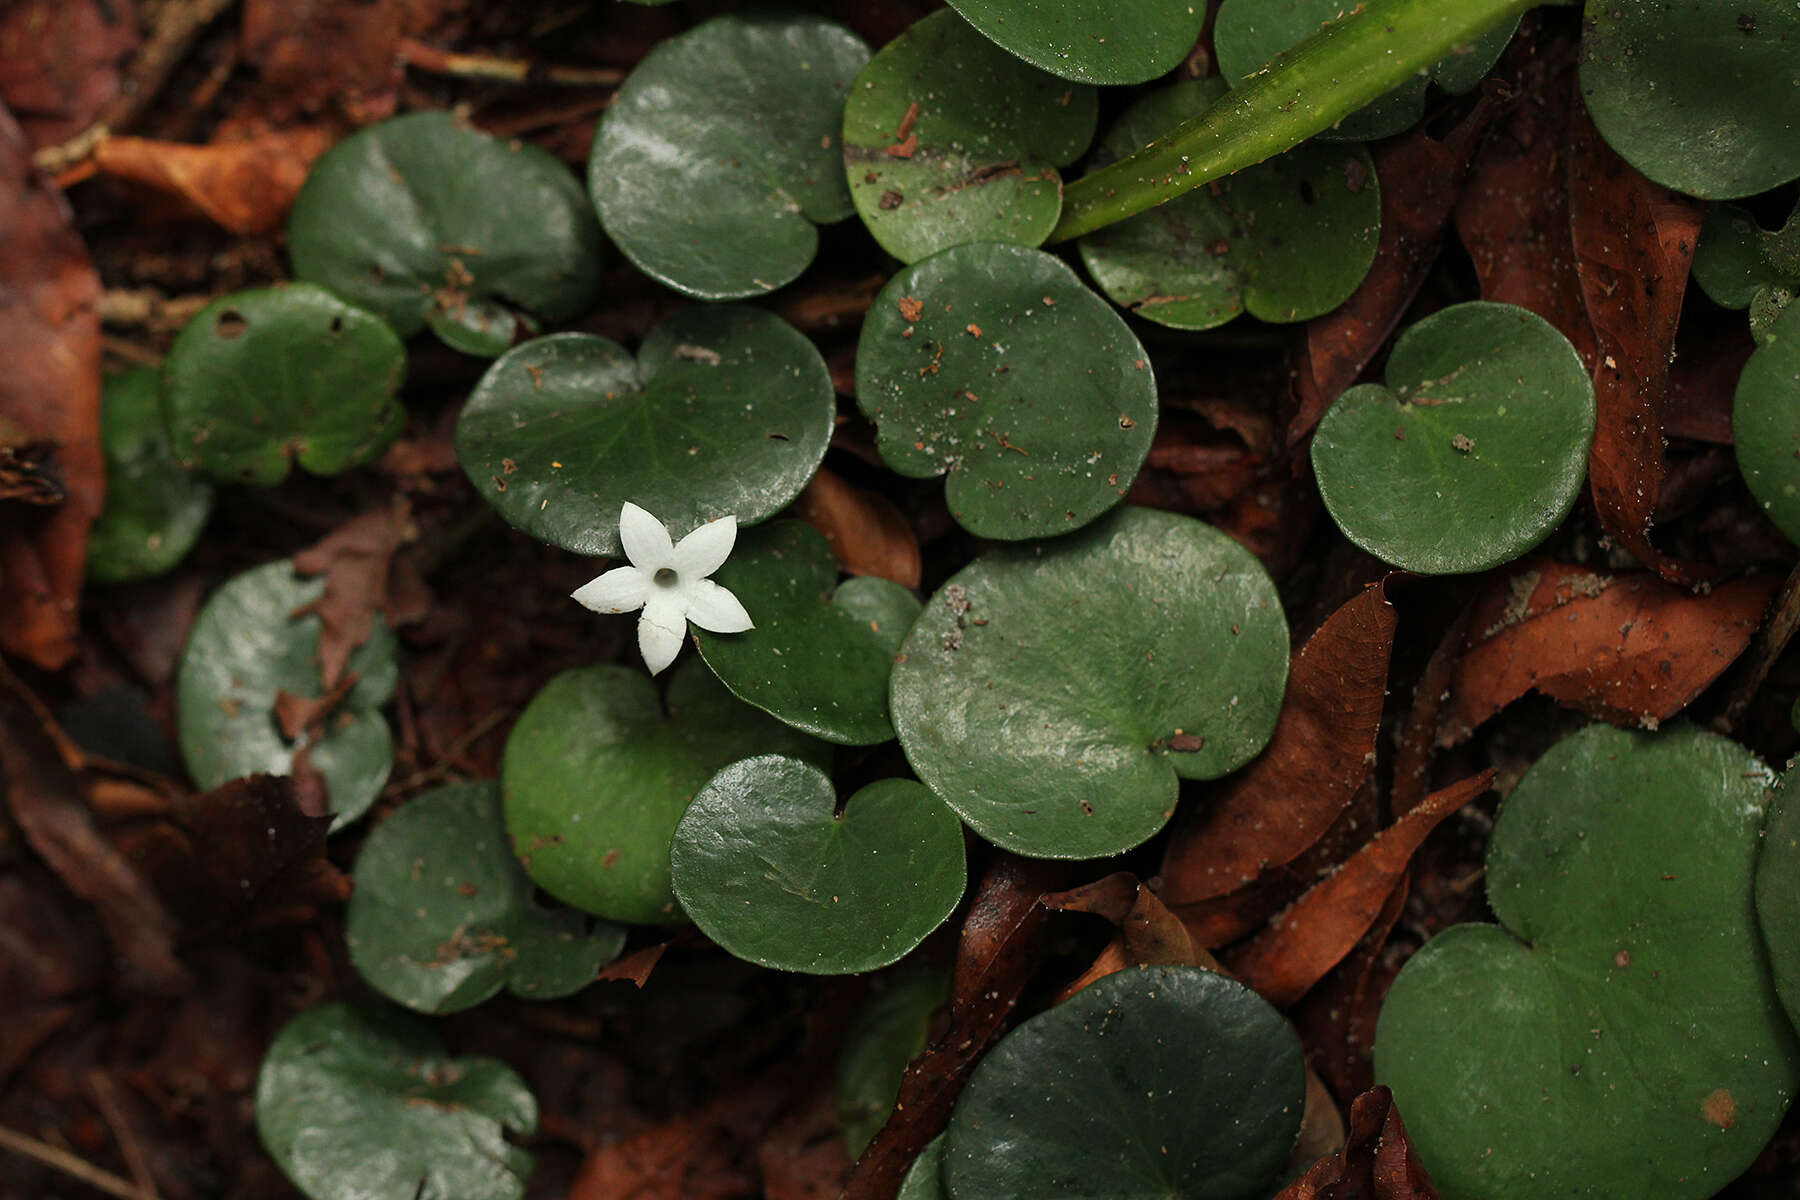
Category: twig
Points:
column 106, row 1098
column 1770, row 641
column 135, row 308
column 501, row 70
column 70, row 1165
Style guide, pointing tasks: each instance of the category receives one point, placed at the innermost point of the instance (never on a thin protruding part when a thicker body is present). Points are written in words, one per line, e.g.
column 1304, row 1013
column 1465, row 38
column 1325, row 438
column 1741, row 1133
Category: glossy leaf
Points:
column 949, row 139
column 994, row 365
column 263, row 379
column 429, row 221
column 719, row 156
column 1473, row 452
column 1739, row 264
column 1697, row 95
column 769, row 869
column 245, row 650
column 726, row 410
column 595, row 777
column 924, row 1178
column 354, row 1103
column 1778, row 892
column 1055, row 694
column 1765, row 423
column 1091, row 41
column 1249, row 33
column 889, row 1031
column 1286, row 239
column 821, row 653
column 154, row 508
column 443, row 916
column 1154, row 1081
column 1616, row 1034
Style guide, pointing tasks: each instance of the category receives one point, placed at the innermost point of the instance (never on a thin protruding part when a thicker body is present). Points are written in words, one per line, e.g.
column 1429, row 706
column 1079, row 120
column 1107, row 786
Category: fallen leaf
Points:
column 364, row 576
column 1631, row 649
column 1194, row 467
column 1703, row 384
column 50, row 953
column 49, row 406
column 1319, row 754
column 867, row 533
column 803, row 1156
column 1148, row 932
column 328, row 55
column 1377, row 1162
column 693, row 1157
column 59, row 62
column 1284, row 961
column 245, row 187
column 636, row 966
column 1336, row 1020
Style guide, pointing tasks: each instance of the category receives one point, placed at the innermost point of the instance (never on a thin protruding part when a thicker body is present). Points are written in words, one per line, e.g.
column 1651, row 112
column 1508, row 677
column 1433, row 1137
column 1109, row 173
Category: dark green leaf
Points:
column 768, row 869
column 1739, row 264
column 1778, row 892
column 154, row 509
column 889, row 1032
column 924, row 1178
column 727, row 410
column 1765, row 423
column 1093, row 41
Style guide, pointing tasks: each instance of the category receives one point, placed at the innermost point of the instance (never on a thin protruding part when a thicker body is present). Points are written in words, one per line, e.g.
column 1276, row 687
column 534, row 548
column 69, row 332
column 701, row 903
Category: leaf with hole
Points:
column 260, row 380
column 443, row 915
column 1154, row 1081
column 725, row 411
column 1285, row 240
column 1739, row 264
column 1055, row 694
column 821, row 653
column 247, row 651
column 1473, row 451
column 719, row 156
column 1617, row 1033
column 429, row 221
column 1091, row 41
column 770, row 869
column 889, row 1031
column 996, row 366
column 949, row 139
column 596, row 774
column 1778, row 892
column 154, row 509
column 1765, row 423
column 354, row 1103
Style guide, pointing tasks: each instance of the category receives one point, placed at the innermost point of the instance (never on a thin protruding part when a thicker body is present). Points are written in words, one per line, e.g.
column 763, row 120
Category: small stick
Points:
column 70, row 1165
column 415, row 53
column 106, row 1098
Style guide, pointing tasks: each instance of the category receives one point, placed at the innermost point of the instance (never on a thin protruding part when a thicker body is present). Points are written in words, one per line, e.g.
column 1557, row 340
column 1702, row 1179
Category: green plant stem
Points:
column 1309, row 88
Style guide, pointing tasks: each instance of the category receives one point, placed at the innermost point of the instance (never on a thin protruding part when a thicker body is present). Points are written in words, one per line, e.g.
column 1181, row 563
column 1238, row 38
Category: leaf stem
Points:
column 1306, row 89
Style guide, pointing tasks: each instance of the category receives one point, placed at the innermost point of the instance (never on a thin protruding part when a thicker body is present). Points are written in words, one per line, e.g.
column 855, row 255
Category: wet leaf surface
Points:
column 155, row 509
column 1093, row 41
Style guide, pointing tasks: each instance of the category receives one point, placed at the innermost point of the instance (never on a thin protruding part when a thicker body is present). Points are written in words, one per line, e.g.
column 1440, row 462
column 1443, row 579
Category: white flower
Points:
column 669, row 582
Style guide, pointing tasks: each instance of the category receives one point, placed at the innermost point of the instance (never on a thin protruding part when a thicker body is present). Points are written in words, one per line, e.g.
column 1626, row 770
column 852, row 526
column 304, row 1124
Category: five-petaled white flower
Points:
column 669, row 582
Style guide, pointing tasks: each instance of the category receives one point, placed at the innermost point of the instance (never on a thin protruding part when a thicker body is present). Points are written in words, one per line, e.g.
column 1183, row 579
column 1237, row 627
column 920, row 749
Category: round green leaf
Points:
column 949, row 139
column 154, row 509
column 1699, row 95
column 430, row 222
column 1739, row 264
column 262, row 379
column 443, row 915
column 1091, row 41
column 1055, row 694
column 356, row 1103
column 821, row 652
column 1765, row 423
column 727, row 410
column 1616, row 1034
column 1778, row 892
column 1154, row 1081
column 246, row 648
column 1473, row 452
column 1247, row 34
column 595, row 777
column 924, row 1179
column 769, row 869
column 890, row 1031
column 1287, row 239
column 719, row 157
column 996, row 366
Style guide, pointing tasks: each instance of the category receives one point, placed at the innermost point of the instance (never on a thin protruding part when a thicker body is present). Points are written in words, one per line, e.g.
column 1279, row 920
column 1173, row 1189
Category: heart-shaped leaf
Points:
column 1154, row 1081
column 1055, row 694
column 1740, row 264
column 891, row 1030
column 595, row 777
column 769, row 869
column 443, row 916
column 154, row 508
column 1616, row 1034
column 719, row 155
column 355, row 1103
column 821, row 653
column 1247, row 34
column 430, row 222
column 246, row 651
column 1778, row 892
column 262, row 379
column 1287, row 239
column 1092, row 41
column 726, row 410
column 949, row 139
column 1765, row 423
column 994, row 365
column 1473, row 452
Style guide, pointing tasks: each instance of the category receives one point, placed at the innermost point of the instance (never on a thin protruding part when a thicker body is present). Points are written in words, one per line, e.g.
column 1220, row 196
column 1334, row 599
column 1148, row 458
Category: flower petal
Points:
column 618, row 590
column 645, row 539
column 714, row 608
column 661, row 629
column 705, row 550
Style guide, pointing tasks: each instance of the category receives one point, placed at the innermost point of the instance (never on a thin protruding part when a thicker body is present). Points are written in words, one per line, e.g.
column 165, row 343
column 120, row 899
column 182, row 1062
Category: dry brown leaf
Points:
column 363, row 578
column 867, row 533
column 244, row 187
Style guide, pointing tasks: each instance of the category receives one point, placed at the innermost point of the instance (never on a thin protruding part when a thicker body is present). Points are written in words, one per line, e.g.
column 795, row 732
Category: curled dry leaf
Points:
column 245, row 187
column 1630, row 649
column 1336, row 1019
column 1377, row 1162
column 59, row 62
column 363, row 577
column 867, row 533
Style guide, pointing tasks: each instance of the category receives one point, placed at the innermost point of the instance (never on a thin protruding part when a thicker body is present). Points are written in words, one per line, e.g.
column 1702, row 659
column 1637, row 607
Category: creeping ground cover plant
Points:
column 981, row 600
